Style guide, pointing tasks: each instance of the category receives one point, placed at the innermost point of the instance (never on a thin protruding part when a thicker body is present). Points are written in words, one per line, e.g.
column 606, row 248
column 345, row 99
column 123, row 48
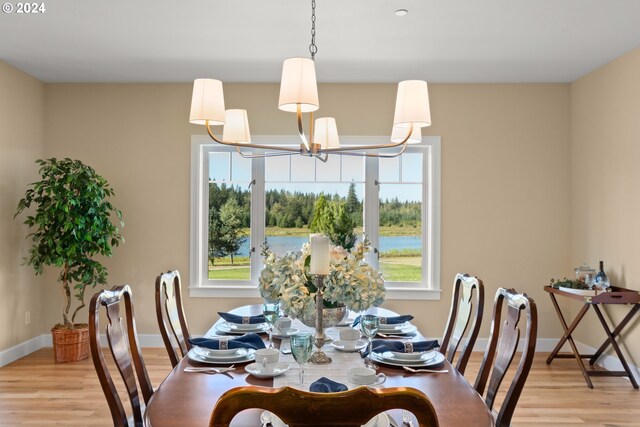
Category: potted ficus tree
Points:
column 73, row 222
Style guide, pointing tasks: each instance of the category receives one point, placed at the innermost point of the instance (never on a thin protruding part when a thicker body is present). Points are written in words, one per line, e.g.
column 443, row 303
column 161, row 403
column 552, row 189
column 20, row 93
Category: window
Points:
column 239, row 203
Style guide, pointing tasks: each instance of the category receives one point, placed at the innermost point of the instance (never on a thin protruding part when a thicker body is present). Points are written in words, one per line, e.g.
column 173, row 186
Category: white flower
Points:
column 351, row 282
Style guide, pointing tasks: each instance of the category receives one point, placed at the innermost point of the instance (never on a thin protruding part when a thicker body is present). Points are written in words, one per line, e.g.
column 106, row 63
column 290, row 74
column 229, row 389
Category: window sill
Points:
column 237, row 291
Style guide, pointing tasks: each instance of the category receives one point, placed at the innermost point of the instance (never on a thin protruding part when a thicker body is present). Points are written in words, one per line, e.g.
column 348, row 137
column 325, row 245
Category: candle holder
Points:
column 319, row 357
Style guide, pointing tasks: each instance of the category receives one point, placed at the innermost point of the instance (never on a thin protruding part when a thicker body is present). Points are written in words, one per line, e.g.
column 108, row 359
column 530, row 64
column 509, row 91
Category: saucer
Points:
column 340, row 345
column 255, row 370
column 291, row 331
column 378, row 381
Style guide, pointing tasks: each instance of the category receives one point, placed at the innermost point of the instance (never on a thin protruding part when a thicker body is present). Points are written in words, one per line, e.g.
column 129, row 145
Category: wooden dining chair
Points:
column 302, row 408
column 467, row 303
column 170, row 315
column 503, row 342
column 122, row 338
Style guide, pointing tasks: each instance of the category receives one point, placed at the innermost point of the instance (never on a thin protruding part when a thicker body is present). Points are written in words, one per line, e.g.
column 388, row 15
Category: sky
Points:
column 399, row 176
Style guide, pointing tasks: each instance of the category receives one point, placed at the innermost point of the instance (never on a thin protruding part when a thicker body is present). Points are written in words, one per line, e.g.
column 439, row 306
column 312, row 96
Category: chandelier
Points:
column 299, row 94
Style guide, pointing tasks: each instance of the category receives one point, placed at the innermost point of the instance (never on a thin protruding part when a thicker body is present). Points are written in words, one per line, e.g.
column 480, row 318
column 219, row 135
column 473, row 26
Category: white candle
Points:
column 319, row 254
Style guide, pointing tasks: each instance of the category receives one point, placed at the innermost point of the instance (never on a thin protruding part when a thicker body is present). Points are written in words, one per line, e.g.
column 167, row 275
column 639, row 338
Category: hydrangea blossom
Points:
column 351, row 282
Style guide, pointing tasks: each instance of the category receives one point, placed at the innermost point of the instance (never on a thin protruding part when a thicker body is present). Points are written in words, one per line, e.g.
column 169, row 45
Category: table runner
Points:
column 336, row 370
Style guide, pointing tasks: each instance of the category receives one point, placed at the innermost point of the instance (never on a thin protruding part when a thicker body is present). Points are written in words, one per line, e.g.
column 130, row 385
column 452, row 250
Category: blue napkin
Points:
column 380, row 346
column 234, row 318
column 325, row 385
column 393, row 320
column 246, row 341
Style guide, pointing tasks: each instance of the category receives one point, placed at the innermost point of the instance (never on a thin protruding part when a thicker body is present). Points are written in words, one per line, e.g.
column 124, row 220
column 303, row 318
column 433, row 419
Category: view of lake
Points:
column 281, row 244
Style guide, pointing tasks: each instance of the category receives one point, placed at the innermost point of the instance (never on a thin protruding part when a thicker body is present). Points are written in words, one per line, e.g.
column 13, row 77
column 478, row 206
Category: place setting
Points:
column 239, row 325
column 225, row 351
column 349, row 341
column 393, row 326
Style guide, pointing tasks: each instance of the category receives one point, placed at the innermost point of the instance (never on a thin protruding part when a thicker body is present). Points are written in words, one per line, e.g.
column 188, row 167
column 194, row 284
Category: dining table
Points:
column 188, row 399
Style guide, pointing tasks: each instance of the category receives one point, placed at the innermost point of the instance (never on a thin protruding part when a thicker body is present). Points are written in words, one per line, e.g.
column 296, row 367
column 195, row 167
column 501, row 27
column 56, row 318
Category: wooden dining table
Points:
column 188, row 399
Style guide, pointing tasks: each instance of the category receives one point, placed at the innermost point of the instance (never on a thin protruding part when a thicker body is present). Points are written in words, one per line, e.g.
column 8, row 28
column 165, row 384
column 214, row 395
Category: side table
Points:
column 616, row 295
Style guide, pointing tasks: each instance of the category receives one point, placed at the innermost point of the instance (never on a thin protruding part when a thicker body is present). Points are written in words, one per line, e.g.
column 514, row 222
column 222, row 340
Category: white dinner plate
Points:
column 248, row 357
column 438, row 359
column 339, row 345
column 405, row 330
column 232, row 328
column 414, row 356
column 256, row 370
column 211, row 354
column 381, row 420
column 291, row 331
column 385, row 327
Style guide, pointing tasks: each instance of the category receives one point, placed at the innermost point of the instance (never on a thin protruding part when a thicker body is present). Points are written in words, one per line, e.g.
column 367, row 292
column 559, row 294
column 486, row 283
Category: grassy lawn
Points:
column 230, row 273
column 304, row 231
column 400, row 269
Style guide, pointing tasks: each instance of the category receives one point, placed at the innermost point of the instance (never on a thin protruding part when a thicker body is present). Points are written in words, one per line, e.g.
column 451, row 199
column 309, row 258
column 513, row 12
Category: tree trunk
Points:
column 67, row 297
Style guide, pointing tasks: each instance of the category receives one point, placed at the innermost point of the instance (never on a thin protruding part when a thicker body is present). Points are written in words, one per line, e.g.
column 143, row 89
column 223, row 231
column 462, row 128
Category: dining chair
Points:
column 467, row 303
column 122, row 339
column 302, row 408
column 170, row 315
column 503, row 343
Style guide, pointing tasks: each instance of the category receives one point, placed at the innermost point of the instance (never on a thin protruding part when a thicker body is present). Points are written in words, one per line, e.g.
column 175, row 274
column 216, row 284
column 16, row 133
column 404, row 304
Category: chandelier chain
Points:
column 313, row 49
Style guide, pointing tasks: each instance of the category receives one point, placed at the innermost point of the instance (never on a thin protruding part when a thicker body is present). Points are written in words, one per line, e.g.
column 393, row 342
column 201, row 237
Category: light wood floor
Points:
column 36, row 391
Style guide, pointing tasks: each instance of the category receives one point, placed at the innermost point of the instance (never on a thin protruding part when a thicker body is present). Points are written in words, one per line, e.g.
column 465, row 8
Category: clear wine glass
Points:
column 369, row 324
column 301, row 347
column 271, row 312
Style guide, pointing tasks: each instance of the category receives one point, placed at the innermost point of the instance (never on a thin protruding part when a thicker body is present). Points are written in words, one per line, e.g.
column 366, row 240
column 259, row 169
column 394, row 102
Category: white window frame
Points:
column 201, row 286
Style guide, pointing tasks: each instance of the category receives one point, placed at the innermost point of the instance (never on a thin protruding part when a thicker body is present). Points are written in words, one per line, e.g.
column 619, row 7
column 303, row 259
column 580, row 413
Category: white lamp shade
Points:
column 207, row 102
column 298, row 86
column 325, row 133
column 399, row 133
column 236, row 127
column 412, row 103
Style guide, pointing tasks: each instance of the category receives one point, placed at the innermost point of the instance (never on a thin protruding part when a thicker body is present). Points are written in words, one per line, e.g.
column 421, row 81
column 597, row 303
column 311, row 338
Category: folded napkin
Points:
column 325, row 385
column 380, row 346
column 393, row 320
column 234, row 318
column 246, row 341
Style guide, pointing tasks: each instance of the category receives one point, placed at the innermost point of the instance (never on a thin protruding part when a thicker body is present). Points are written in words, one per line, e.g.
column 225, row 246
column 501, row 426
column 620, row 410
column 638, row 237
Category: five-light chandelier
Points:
column 299, row 94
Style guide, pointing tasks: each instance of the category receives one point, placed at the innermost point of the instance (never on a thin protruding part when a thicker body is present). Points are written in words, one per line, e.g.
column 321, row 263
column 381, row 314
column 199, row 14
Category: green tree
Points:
column 71, row 226
column 232, row 235
column 320, row 214
column 332, row 219
column 353, row 205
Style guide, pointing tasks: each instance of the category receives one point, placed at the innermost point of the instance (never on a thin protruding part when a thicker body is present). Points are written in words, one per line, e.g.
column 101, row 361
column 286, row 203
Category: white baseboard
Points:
column 23, row 349
column 155, row 340
column 34, row 344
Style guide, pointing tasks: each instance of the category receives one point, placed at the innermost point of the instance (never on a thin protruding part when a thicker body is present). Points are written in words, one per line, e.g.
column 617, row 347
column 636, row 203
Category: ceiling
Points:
column 358, row 40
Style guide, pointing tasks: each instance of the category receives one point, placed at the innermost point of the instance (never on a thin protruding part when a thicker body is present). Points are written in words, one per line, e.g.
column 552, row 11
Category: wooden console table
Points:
column 615, row 296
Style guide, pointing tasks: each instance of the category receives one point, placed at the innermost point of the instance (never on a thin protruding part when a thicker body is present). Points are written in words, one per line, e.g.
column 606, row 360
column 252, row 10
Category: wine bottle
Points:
column 601, row 276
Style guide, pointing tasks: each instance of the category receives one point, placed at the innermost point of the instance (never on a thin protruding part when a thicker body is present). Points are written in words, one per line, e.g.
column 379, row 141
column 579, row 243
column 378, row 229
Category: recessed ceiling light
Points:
column 401, row 12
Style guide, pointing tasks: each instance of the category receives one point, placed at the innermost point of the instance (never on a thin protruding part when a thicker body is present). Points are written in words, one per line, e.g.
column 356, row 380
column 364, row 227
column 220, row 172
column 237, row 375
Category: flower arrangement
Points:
column 351, row 281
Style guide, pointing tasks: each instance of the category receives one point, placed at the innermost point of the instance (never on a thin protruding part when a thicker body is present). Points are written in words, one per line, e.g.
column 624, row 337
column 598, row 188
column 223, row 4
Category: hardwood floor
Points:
column 36, row 391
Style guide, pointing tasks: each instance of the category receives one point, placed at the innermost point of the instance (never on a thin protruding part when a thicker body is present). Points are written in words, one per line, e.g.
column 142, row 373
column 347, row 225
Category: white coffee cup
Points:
column 267, row 358
column 349, row 334
column 366, row 376
column 282, row 326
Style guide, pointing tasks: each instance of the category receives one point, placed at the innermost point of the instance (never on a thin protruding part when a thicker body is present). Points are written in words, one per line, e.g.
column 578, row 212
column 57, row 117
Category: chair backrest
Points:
column 170, row 314
column 503, row 343
column 123, row 341
column 467, row 303
column 302, row 408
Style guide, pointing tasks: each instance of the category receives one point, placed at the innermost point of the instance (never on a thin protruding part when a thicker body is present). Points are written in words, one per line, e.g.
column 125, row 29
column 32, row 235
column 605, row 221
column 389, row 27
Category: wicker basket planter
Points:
column 70, row 345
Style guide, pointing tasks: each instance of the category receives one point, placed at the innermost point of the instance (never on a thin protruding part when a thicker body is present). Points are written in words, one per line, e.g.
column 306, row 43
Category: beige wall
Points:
column 605, row 149
column 21, row 143
column 505, row 179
